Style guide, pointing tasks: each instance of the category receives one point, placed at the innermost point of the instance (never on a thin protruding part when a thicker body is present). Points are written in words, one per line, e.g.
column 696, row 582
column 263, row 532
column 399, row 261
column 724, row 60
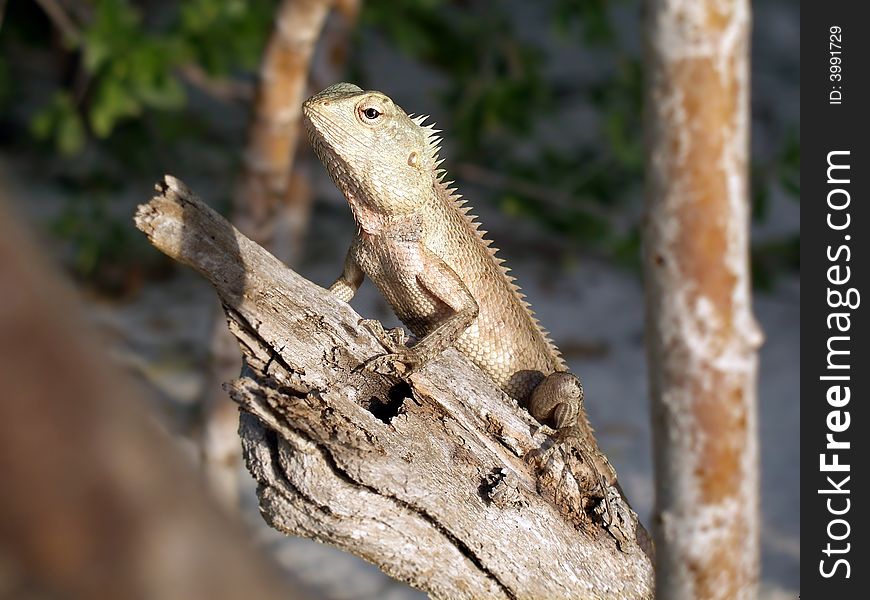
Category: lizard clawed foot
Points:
column 399, row 360
column 400, row 364
column 576, row 445
column 392, row 339
column 593, row 474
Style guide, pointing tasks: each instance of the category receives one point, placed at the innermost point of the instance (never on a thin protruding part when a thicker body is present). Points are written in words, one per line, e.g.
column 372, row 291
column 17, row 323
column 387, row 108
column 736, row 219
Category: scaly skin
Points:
column 442, row 278
column 429, row 260
column 559, row 400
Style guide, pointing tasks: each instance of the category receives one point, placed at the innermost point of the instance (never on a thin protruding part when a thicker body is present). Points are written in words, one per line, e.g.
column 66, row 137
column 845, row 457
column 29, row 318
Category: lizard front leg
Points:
column 345, row 288
column 436, row 279
column 348, row 282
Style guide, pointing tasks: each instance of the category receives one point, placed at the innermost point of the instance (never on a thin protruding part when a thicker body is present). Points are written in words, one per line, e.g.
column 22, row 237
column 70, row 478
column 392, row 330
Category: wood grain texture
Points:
column 271, row 205
column 434, row 479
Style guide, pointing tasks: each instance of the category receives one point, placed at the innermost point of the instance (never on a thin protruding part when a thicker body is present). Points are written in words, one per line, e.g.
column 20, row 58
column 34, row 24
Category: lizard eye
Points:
column 369, row 114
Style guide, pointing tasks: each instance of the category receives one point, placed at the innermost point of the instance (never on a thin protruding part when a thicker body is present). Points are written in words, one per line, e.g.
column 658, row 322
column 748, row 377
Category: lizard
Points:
column 434, row 264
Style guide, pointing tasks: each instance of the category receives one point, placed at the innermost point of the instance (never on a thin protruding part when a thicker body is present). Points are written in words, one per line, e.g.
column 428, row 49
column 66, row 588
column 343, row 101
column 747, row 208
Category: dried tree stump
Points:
column 433, row 478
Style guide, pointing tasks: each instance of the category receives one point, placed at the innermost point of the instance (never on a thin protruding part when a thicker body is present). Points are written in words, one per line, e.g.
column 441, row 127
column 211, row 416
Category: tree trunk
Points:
column 702, row 339
column 276, row 121
column 267, row 207
column 434, row 478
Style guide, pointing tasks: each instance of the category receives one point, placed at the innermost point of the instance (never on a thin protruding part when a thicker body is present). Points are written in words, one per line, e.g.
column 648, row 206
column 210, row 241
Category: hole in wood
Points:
column 387, row 410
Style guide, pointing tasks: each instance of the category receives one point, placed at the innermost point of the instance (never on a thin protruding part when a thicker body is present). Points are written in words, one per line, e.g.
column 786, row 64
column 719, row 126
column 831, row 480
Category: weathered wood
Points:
column 702, row 337
column 433, row 479
column 272, row 205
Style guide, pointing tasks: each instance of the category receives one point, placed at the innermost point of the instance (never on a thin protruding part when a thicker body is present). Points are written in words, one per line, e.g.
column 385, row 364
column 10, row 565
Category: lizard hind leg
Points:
column 558, row 400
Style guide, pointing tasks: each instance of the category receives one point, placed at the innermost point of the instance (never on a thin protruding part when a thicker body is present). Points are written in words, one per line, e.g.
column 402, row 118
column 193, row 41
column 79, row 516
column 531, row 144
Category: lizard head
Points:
column 380, row 158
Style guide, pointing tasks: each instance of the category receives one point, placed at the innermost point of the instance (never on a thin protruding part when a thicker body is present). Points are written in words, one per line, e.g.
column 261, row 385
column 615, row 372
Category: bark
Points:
column 432, row 478
column 276, row 122
column 702, row 339
column 96, row 501
column 267, row 207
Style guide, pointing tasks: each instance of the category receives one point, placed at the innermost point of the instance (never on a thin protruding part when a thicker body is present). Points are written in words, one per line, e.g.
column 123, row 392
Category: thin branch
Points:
column 224, row 89
column 702, row 338
column 61, row 20
column 270, row 205
column 544, row 194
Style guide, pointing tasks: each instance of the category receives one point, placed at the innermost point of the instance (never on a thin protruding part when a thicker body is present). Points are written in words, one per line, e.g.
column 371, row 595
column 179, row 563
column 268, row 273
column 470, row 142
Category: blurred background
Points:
column 540, row 104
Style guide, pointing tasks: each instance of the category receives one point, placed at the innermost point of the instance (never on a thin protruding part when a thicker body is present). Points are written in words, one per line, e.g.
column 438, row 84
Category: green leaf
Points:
column 112, row 102
column 60, row 122
column 70, row 134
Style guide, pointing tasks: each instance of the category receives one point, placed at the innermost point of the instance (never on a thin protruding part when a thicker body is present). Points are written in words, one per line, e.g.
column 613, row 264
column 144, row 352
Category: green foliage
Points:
column 591, row 16
column 500, row 97
column 770, row 259
column 495, row 80
column 224, row 35
column 120, row 90
column 116, row 86
column 60, row 122
column 422, row 30
column 782, row 171
column 620, row 100
column 129, row 68
column 499, row 94
column 91, row 233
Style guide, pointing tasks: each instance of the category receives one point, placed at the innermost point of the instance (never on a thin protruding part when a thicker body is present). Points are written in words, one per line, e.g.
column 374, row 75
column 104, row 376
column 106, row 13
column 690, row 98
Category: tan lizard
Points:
column 432, row 263
column 416, row 243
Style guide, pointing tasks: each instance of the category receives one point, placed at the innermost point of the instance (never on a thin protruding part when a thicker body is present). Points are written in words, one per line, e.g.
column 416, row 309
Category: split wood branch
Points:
column 432, row 478
column 272, row 204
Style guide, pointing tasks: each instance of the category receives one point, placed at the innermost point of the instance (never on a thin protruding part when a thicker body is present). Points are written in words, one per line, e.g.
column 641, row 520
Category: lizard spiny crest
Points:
column 387, row 165
column 456, row 201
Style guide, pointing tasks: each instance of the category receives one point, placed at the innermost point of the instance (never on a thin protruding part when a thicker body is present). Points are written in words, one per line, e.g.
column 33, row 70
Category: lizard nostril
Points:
column 412, row 159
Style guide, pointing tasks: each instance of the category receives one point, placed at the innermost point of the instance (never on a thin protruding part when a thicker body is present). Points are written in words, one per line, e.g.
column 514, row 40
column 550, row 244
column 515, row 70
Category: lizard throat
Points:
column 367, row 219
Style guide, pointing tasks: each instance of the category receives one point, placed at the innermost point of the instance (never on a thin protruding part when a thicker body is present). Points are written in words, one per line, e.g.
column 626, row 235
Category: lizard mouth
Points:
column 317, row 128
column 309, row 116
